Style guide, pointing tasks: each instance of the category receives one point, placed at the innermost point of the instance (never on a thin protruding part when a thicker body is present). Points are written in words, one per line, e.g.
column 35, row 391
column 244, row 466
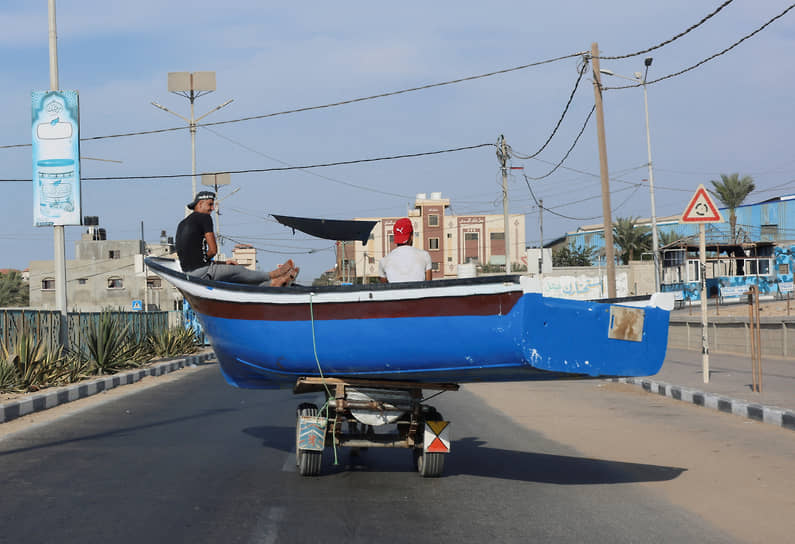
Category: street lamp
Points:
column 641, row 78
column 192, row 85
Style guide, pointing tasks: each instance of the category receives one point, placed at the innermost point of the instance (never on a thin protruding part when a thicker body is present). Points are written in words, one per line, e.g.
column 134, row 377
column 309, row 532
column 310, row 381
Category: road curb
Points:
column 751, row 410
column 47, row 399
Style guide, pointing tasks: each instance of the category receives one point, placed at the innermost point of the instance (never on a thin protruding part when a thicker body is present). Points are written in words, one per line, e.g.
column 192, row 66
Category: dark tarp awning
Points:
column 329, row 229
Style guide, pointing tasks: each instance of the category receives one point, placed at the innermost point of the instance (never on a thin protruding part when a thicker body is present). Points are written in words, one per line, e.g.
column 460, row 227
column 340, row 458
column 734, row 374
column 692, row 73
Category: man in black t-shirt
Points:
column 196, row 247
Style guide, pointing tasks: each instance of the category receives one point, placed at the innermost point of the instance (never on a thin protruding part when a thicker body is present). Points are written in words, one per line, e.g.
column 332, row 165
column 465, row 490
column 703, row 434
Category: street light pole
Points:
column 655, row 245
column 192, row 85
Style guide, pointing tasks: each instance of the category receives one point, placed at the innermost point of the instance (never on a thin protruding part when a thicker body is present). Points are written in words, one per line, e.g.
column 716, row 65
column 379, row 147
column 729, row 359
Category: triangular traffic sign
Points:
column 701, row 209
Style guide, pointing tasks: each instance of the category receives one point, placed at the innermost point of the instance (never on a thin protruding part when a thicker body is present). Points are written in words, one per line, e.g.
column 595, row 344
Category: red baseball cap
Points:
column 403, row 230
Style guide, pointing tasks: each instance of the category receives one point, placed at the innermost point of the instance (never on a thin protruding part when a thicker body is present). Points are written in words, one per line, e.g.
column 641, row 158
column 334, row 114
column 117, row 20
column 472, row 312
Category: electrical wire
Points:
column 329, row 105
column 680, row 72
column 583, row 68
column 676, row 37
column 307, row 252
column 231, row 140
column 566, row 156
column 282, row 168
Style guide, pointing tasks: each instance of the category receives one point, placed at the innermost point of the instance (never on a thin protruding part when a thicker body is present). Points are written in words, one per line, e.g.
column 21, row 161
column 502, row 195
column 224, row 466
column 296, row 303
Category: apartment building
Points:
column 452, row 241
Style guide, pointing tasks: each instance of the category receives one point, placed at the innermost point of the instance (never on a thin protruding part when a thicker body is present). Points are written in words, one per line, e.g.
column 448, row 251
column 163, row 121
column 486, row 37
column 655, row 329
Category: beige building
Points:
column 452, row 240
column 106, row 273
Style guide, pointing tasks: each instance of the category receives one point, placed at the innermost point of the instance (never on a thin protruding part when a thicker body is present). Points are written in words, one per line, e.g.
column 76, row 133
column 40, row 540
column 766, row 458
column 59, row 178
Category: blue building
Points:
column 762, row 255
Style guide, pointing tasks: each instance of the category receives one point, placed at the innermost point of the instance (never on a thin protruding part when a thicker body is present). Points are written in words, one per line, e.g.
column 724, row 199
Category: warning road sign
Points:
column 701, row 209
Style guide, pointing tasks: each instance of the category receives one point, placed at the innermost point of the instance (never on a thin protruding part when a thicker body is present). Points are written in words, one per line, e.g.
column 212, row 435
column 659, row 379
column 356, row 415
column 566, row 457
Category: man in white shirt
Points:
column 405, row 262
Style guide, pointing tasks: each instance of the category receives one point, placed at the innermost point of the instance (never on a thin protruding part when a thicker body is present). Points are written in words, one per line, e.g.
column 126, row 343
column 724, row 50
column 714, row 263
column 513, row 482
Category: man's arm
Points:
column 428, row 275
column 212, row 248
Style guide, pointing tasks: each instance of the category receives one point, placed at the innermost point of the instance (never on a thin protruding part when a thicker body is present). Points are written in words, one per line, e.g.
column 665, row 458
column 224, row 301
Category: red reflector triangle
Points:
column 437, row 446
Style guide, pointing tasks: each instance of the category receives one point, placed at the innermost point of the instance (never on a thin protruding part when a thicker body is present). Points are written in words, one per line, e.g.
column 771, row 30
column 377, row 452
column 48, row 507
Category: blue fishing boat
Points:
column 493, row 328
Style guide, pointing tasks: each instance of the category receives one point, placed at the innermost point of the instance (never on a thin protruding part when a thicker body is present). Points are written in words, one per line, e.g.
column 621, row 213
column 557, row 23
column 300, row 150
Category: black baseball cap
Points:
column 201, row 195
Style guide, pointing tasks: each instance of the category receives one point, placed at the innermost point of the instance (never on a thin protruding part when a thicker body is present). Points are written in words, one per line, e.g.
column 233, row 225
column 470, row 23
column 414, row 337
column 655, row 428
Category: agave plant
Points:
column 8, row 377
column 172, row 342
column 30, row 363
column 109, row 346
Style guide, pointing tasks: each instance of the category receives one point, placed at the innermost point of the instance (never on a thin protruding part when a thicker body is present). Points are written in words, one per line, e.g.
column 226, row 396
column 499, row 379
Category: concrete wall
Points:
column 583, row 282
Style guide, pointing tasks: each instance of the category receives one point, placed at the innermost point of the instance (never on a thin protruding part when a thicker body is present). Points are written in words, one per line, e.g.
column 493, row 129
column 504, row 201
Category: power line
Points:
column 307, row 171
column 577, row 139
column 285, row 168
column 732, row 46
column 676, row 37
column 581, row 71
column 329, row 105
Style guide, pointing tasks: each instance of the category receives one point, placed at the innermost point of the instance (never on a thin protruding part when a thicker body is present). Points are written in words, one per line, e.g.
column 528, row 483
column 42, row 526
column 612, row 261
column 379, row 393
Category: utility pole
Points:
column 541, row 233
column 502, row 155
column 607, row 221
column 59, row 236
column 143, row 262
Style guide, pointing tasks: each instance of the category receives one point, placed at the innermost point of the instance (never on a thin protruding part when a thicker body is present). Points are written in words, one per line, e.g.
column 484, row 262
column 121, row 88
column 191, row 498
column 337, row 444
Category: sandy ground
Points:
column 738, row 473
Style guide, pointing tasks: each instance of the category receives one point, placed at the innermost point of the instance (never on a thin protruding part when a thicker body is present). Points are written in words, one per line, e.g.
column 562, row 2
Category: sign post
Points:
column 702, row 210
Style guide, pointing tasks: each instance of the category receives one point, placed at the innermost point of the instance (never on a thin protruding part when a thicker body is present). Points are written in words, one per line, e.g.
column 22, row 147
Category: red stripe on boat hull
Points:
column 488, row 304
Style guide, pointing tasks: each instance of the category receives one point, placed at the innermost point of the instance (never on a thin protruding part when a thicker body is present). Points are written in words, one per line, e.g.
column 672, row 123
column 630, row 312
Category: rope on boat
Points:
column 329, row 396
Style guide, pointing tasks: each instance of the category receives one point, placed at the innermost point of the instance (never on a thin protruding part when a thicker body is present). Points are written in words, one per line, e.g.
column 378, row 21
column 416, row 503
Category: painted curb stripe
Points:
column 43, row 401
column 742, row 408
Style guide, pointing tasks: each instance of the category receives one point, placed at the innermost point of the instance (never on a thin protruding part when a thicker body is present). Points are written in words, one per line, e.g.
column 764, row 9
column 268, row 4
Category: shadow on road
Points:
column 471, row 457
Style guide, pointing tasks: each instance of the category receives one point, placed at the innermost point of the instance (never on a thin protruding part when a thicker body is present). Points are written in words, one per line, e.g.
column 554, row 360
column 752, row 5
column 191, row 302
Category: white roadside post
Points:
column 702, row 210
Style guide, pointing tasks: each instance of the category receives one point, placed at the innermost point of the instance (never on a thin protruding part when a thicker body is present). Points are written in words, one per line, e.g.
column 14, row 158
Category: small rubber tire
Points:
column 307, row 461
column 430, row 465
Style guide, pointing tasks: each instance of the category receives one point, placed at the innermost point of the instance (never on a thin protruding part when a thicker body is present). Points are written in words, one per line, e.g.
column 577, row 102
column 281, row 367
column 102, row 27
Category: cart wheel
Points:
column 308, row 462
column 430, row 465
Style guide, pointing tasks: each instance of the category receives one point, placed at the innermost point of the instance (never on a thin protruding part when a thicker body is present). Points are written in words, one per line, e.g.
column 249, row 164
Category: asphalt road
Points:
column 195, row 460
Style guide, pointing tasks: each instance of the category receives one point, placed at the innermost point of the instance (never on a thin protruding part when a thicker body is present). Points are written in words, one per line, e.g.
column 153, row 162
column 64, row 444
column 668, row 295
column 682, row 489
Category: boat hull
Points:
column 439, row 331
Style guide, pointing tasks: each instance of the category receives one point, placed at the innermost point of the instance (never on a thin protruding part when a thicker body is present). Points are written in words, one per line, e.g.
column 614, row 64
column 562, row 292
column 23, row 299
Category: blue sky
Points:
column 733, row 114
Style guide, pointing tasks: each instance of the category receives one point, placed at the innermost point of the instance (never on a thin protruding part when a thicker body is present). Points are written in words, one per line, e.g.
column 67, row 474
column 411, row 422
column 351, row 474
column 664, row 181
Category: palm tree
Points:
column 630, row 238
column 731, row 191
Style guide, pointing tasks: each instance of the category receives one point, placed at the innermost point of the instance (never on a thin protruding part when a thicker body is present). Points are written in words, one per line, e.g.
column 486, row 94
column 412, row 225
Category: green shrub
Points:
column 110, row 346
column 29, row 363
column 173, row 342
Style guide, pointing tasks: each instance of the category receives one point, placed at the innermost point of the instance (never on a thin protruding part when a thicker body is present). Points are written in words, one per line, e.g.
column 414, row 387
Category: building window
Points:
column 370, row 260
column 154, row 282
column 433, row 243
column 783, row 269
column 497, row 236
column 48, row 284
column 449, row 259
column 391, row 239
column 433, row 220
column 81, row 281
column 435, row 266
column 115, row 283
column 114, row 254
column 470, row 236
column 769, row 232
column 449, row 235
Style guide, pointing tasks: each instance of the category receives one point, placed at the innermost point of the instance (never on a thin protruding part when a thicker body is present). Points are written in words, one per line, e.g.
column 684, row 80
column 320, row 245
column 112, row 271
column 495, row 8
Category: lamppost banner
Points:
column 56, row 158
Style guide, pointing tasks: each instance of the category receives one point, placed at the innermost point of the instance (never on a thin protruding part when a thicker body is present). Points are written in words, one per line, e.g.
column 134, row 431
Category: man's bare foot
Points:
column 280, row 281
column 283, row 269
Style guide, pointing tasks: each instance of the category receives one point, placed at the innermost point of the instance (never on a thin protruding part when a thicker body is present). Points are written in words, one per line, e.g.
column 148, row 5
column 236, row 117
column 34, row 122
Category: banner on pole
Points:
column 56, row 158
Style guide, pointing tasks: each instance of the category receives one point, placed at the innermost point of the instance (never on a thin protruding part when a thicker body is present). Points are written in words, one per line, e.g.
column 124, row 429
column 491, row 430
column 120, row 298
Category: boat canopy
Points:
column 329, row 229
